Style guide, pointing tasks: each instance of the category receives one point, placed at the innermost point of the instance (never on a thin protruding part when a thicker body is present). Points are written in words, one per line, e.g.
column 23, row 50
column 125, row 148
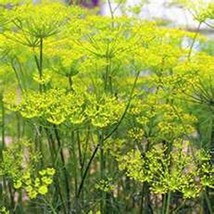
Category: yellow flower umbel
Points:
column 36, row 186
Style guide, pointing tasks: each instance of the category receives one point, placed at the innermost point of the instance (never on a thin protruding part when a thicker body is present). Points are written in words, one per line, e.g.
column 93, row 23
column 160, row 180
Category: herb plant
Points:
column 103, row 114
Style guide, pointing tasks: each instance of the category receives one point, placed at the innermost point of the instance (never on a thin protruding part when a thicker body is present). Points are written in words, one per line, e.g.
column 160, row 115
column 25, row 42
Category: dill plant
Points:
column 109, row 107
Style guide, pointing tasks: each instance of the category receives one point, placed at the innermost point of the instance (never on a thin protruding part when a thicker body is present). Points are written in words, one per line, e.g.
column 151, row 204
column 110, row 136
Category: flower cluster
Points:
column 175, row 171
column 35, row 186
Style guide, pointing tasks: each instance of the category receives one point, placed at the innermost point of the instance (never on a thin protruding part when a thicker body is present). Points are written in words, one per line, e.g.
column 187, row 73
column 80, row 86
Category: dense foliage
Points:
column 103, row 114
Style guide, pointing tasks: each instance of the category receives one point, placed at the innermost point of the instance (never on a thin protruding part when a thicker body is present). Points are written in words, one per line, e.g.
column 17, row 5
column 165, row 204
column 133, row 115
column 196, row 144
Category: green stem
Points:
column 41, row 57
column 209, row 206
column 86, row 170
column 111, row 12
column 108, row 78
column 212, row 135
column 85, row 148
column 51, row 146
column 38, row 141
column 18, row 120
column 2, row 146
column 102, row 172
column 67, row 187
column 166, row 203
column 194, row 40
column 11, row 194
column 167, row 210
column 53, row 153
column 179, row 207
column 70, row 82
column 17, row 75
column 81, row 163
column 53, row 211
column 145, row 200
column 2, row 131
column 107, row 136
column 73, row 154
column 39, row 62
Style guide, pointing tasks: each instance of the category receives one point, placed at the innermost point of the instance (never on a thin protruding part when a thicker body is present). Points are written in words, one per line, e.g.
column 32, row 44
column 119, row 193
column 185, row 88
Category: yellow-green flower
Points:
column 43, row 190
column 17, row 184
column 50, row 171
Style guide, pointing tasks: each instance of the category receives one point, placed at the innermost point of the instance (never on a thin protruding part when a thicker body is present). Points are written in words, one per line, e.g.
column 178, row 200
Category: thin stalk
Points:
column 22, row 73
column 107, row 136
column 209, row 206
column 87, row 169
column 51, row 146
column 81, row 166
column 73, row 154
column 142, row 201
column 85, row 148
column 145, row 195
column 167, row 210
column 82, row 178
column 108, row 78
column 194, row 40
column 102, row 173
column 11, row 195
column 17, row 76
column 125, row 111
column 164, row 204
column 111, row 12
column 53, row 211
column 210, row 191
column 80, row 154
column 118, row 5
column 39, row 62
column 53, row 154
column 70, row 82
column 145, row 200
column 67, row 187
column 38, row 141
column 179, row 207
column 2, row 131
column 18, row 120
column 4, row 185
column 107, row 70
column 41, row 57
column 212, row 135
